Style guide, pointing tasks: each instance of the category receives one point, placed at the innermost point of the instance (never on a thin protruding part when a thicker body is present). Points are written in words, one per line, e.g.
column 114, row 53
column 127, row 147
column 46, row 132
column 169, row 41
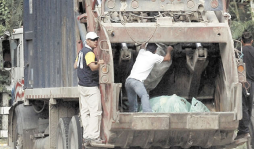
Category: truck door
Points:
column 17, row 62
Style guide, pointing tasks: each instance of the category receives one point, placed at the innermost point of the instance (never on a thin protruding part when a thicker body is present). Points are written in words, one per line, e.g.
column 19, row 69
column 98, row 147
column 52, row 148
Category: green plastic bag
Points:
column 176, row 104
column 197, row 106
column 169, row 104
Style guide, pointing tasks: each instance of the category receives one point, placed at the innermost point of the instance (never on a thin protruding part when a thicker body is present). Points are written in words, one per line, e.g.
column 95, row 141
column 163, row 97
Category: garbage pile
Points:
column 176, row 104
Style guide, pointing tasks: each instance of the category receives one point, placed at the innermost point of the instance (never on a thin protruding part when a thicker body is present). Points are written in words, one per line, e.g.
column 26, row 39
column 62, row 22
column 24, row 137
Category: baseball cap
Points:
column 91, row 35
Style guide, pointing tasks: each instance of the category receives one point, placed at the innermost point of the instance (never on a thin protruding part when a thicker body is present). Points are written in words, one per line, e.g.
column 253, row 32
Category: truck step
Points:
column 101, row 145
column 236, row 143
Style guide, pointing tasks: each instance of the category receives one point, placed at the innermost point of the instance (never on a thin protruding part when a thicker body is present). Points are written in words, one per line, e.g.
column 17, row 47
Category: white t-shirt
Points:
column 144, row 64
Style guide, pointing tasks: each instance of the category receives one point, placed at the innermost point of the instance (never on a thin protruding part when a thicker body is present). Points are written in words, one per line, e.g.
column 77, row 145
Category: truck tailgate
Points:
column 173, row 129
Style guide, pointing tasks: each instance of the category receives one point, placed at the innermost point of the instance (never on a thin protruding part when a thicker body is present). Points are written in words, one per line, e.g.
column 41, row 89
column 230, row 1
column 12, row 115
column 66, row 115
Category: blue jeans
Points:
column 135, row 87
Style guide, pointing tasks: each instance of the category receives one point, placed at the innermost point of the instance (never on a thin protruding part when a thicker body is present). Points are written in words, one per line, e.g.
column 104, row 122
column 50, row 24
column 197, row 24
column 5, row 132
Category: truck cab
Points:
column 11, row 68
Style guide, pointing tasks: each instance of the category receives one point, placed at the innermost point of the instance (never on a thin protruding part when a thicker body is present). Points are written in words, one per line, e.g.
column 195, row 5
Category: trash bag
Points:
column 198, row 106
column 157, row 103
column 169, row 104
column 176, row 104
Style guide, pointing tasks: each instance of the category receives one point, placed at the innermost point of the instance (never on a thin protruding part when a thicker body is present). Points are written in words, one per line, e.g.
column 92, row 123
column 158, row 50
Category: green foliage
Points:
column 240, row 11
column 238, row 27
column 2, row 29
column 241, row 20
column 4, row 80
column 11, row 12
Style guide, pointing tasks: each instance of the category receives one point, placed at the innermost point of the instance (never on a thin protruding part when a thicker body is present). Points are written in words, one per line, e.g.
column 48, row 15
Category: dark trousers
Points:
column 247, row 102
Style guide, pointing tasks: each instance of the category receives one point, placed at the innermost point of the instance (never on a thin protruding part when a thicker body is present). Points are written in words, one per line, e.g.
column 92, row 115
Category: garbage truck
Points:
column 45, row 114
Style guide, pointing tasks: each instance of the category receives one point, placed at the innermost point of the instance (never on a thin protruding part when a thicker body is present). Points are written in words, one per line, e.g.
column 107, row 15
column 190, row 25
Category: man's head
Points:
column 151, row 47
column 247, row 38
column 92, row 39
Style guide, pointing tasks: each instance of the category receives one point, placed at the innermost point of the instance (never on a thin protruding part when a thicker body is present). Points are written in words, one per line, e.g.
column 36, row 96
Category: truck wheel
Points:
column 15, row 132
column 62, row 133
column 75, row 133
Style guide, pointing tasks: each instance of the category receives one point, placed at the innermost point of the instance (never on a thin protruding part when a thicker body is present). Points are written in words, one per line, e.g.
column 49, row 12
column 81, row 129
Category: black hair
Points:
column 247, row 37
column 151, row 47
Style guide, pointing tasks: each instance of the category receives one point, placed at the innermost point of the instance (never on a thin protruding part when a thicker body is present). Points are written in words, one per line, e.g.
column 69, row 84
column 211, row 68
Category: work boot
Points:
column 241, row 138
column 243, row 135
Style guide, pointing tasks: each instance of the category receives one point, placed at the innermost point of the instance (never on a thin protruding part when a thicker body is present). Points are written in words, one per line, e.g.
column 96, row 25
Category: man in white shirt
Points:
column 141, row 69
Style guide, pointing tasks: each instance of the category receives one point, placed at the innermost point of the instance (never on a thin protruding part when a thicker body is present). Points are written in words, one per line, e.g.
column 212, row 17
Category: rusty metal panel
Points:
column 162, row 5
column 177, row 121
column 150, row 122
column 50, row 53
column 203, row 122
column 177, row 32
column 175, row 129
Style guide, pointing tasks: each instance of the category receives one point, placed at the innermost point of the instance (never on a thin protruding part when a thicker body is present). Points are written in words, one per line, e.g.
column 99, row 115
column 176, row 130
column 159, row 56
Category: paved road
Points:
column 3, row 144
column 4, row 147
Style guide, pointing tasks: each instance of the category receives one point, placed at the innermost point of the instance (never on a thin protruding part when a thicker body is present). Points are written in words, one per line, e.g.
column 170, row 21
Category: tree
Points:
column 11, row 12
column 241, row 17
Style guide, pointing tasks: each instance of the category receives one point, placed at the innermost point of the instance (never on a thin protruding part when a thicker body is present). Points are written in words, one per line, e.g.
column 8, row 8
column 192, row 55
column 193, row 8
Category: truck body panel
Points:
column 50, row 39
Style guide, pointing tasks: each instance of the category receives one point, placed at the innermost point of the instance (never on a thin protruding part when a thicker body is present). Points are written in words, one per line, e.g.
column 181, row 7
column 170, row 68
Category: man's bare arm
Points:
column 143, row 46
column 168, row 55
column 75, row 64
column 94, row 66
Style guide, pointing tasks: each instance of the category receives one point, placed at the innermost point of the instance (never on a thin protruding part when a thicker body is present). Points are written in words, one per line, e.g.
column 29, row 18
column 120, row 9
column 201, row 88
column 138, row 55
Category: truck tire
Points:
column 75, row 134
column 62, row 133
column 15, row 132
